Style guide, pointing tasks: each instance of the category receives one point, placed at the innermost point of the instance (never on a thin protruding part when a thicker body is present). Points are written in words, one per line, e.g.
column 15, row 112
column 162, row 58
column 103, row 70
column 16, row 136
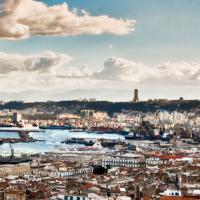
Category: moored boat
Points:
column 57, row 127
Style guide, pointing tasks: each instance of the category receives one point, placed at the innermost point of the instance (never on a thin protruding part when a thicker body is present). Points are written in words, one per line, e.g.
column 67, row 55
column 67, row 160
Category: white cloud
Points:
column 119, row 69
column 179, row 71
column 22, row 18
column 38, row 71
column 41, row 63
column 74, row 72
column 52, row 72
column 44, row 71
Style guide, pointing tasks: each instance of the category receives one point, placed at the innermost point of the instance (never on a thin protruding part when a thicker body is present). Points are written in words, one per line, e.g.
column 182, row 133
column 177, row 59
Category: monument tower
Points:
column 136, row 96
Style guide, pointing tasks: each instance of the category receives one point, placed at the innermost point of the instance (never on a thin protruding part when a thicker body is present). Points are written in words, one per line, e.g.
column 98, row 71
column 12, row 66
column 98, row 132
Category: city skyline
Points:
column 75, row 49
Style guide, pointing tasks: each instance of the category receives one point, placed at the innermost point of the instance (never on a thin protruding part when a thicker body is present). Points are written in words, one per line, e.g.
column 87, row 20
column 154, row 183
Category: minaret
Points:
column 136, row 98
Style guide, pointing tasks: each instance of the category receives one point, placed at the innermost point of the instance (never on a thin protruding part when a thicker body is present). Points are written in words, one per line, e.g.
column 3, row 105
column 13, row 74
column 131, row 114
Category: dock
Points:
column 23, row 136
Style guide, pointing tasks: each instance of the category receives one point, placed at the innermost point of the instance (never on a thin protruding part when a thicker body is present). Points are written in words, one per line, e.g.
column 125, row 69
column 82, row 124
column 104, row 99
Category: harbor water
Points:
column 51, row 139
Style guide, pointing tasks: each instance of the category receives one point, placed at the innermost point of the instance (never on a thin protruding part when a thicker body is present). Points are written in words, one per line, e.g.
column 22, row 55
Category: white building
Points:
column 121, row 118
column 126, row 160
column 100, row 116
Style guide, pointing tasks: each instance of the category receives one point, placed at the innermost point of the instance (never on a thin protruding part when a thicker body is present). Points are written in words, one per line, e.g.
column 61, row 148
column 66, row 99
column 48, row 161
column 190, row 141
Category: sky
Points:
column 71, row 49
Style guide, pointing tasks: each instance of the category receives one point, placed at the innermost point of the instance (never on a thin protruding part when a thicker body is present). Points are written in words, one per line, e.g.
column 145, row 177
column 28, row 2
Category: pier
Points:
column 23, row 136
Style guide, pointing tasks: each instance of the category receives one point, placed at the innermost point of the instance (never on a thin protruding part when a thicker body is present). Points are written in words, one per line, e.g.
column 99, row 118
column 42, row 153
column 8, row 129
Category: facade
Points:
column 87, row 114
column 17, row 117
column 153, row 160
column 124, row 161
column 74, row 197
column 101, row 116
column 14, row 195
column 74, row 173
column 190, row 180
column 174, row 117
column 121, row 118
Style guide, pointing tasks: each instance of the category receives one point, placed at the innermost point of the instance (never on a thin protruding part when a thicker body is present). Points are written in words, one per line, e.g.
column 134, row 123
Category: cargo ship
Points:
column 13, row 160
column 108, row 130
column 56, row 127
column 146, row 137
column 146, row 131
column 78, row 141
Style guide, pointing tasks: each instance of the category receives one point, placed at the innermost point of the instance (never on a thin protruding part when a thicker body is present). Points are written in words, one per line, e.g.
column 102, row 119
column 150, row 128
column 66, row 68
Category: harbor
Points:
column 22, row 135
column 47, row 140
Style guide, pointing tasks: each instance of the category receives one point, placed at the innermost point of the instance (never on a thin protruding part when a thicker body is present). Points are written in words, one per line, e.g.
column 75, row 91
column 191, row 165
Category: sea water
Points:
column 51, row 139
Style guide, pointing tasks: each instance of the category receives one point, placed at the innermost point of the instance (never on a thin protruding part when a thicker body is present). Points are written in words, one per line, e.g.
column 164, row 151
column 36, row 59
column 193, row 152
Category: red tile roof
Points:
column 171, row 157
column 86, row 186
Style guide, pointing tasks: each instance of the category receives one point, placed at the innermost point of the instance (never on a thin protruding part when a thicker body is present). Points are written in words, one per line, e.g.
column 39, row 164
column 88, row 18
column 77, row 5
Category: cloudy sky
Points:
column 68, row 49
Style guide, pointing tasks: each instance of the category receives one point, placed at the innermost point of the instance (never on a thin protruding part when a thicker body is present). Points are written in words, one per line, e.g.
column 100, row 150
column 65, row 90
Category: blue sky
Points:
column 165, row 31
